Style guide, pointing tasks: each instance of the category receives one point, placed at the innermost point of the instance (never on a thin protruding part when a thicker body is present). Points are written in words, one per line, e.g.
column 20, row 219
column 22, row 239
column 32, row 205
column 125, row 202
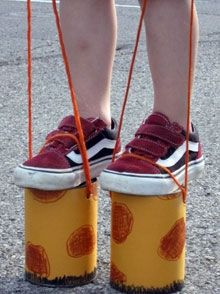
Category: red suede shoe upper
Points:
column 53, row 154
column 152, row 140
column 49, row 159
column 132, row 165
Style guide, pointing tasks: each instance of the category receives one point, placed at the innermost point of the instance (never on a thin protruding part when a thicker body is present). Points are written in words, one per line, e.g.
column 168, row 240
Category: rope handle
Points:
column 189, row 91
column 29, row 77
column 81, row 141
column 129, row 80
column 184, row 189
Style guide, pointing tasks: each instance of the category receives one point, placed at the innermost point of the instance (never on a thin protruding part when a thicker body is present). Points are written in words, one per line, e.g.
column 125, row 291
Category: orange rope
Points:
column 189, row 92
column 81, row 142
column 161, row 166
column 129, row 79
column 74, row 138
column 29, row 78
column 183, row 189
column 66, row 135
column 74, row 103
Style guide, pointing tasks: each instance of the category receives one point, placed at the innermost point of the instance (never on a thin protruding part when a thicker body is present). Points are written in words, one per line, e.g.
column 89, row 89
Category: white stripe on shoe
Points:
column 148, row 184
column 178, row 154
column 50, row 181
column 91, row 152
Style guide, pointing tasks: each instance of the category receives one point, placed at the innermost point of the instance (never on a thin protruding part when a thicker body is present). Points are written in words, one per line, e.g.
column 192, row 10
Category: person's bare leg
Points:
column 167, row 25
column 89, row 29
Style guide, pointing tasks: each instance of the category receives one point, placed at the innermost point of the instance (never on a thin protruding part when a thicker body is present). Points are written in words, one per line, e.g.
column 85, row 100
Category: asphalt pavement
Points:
column 52, row 102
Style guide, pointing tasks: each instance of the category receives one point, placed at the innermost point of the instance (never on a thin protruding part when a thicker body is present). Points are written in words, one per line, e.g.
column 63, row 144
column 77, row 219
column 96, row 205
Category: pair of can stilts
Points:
column 147, row 232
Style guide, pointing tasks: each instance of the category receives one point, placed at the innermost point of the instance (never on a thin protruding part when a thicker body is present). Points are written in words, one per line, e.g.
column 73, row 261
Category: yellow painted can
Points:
column 147, row 243
column 60, row 237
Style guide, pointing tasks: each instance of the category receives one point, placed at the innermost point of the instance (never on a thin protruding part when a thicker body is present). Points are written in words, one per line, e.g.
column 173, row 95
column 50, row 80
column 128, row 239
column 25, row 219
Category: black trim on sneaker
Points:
column 181, row 162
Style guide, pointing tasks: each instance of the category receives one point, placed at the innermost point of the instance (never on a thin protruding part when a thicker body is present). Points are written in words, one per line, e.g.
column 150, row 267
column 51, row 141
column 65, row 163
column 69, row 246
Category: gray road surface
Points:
column 52, row 102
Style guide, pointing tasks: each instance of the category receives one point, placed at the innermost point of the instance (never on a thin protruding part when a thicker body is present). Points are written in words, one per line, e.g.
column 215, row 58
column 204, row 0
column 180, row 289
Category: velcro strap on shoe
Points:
column 65, row 141
column 69, row 122
column 148, row 146
column 163, row 133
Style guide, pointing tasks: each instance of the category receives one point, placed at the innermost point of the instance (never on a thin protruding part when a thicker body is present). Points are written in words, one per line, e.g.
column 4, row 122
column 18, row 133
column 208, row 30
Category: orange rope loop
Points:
column 183, row 190
column 81, row 141
column 29, row 78
column 75, row 139
column 189, row 92
column 71, row 136
column 74, row 103
column 129, row 79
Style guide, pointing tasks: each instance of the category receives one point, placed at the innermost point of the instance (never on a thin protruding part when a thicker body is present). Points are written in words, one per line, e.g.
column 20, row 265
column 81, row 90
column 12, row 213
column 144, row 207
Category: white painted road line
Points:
column 49, row 1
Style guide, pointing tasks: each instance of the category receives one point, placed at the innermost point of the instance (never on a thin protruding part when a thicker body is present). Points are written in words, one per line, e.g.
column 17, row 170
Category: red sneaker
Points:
column 163, row 143
column 59, row 165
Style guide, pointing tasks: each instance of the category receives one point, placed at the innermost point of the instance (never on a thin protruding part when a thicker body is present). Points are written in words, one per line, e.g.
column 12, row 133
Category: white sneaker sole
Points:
column 148, row 184
column 56, row 179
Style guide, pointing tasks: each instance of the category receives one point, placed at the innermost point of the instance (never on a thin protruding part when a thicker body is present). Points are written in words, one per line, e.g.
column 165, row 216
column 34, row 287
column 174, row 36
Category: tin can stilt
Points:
column 60, row 237
column 147, row 243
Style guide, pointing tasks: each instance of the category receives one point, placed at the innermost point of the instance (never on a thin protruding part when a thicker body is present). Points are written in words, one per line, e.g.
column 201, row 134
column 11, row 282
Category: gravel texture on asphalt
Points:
column 52, row 102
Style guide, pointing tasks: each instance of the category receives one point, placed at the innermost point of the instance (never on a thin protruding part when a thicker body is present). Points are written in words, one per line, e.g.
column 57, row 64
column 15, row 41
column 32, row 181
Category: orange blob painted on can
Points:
column 47, row 196
column 122, row 222
column 81, row 242
column 168, row 197
column 116, row 275
column 172, row 244
column 36, row 260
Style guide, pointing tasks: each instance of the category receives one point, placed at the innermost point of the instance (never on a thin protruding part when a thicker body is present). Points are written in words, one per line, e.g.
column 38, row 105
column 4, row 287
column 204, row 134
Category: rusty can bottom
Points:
column 172, row 288
column 62, row 282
